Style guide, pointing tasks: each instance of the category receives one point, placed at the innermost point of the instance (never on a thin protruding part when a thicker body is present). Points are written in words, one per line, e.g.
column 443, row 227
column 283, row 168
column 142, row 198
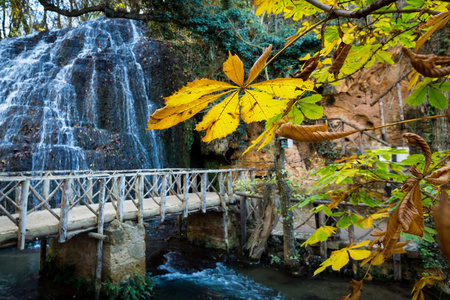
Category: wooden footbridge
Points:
column 62, row 204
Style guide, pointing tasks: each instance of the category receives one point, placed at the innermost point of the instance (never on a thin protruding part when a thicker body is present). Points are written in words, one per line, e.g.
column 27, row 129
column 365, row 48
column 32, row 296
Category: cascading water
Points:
column 78, row 98
column 220, row 282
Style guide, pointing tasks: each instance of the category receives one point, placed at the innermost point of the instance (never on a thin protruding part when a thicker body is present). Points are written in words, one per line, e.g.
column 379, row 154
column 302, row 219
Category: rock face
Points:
column 80, row 98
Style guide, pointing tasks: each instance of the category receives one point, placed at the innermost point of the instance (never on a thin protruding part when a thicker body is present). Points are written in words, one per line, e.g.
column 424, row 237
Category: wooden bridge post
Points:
column 351, row 239
column 186, row 194
column 230, row 187
column 23, row 213
column 155, row 185
column 65, row 206
column 89, row 192
column 18, row 195
column 139, row 188
column 252, row 175
column 242, row 175
column 46, row 190
column 343, row 139
column 222, row 188
column 162, row 208
column 243, row 205
column 121, row 198
column 323, row 245
column 42, row 254
column 203, row 184
column 100, row 224
column 178, row 189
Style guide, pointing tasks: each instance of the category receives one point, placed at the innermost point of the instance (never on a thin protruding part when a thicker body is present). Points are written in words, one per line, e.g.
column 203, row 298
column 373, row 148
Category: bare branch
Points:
column 389, row 89
column 363, row 12
column 72, row 13
column 109, row 12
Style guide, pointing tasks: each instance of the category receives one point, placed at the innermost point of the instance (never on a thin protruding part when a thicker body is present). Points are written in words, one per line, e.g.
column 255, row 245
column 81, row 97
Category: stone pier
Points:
column 215, row 229
column 123, row 253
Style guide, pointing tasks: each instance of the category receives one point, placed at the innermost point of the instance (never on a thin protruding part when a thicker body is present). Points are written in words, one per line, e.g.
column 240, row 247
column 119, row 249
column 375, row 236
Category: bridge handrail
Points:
column 57, row 174
column 59, row 193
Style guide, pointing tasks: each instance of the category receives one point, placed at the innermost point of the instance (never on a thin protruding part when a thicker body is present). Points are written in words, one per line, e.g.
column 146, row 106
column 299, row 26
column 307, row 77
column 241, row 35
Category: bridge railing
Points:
column 59, row 192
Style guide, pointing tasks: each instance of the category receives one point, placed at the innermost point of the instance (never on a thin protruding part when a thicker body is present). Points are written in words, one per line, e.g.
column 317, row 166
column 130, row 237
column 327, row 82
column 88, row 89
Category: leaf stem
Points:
column 438, row 164
column 286, row 46
column 401, row 122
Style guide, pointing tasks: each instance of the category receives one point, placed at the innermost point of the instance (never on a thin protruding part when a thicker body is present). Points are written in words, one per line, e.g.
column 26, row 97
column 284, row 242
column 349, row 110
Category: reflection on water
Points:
column 19, row 280
column 19, row 274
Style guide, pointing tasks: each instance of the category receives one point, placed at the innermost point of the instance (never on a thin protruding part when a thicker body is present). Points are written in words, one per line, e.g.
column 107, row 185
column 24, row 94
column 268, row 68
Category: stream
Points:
column 183, row 271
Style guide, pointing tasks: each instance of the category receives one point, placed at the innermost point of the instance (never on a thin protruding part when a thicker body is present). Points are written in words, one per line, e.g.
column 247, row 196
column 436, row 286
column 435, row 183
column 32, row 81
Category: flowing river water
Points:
column 186, row 272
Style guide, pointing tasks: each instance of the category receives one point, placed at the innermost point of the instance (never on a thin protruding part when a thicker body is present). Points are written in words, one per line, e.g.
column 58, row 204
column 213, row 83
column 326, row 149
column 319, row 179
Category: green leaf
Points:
column 416, row 3
column 355, row 218
column 430, row 230
column 410, row 237
column 443, row 86
column 311, row 111
column 384, row 56
column 327, row 211
column 295, row 115
column 427, row 237
column 312, row 99
column 344, row 222
column 418, row 97
column 437, row 99
column 413, row 159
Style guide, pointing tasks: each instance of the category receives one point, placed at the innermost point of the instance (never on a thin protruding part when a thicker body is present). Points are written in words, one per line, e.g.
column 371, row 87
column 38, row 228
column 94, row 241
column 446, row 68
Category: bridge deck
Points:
column 43, row 223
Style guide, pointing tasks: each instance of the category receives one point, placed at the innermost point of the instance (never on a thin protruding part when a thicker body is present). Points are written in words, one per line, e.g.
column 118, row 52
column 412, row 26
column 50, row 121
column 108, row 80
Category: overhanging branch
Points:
column 72, row 13
column 105, row 8
column 363, row 12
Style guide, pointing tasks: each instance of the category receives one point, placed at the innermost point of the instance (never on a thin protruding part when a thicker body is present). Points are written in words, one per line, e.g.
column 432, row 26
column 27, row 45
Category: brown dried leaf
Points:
column 373, row 242
column 339, row 58
column 427, row 65
column 312, row 133
column 309, row 67
column 441, row 213
column 441, row 176
column 420, row 142
column 378, row 233
column 393, row 231
column 356, row 288
column 447, row 113
column 438, row 22
column 410, row 211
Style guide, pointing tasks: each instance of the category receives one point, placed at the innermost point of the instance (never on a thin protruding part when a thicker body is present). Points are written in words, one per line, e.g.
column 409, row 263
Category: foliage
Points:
column 136, row 287
column 340, row 258
column 361, row 179
column 359, row 33
column 250, row 101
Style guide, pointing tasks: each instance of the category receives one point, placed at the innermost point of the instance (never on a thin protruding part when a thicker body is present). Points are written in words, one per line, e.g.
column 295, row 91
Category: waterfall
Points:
column 78, row 98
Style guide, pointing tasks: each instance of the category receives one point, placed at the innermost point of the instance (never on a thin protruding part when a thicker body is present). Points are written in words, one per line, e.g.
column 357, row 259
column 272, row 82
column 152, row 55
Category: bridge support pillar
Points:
column 123, row 254
column 214, row 229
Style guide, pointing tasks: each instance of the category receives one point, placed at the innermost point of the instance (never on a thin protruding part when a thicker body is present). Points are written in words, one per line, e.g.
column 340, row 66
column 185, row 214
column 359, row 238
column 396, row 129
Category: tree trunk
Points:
column 290, row 255
column 441, row 126
column 257, row 242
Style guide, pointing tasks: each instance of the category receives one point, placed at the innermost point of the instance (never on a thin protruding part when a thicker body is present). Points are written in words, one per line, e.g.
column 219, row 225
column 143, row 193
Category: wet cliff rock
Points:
column 80, row 98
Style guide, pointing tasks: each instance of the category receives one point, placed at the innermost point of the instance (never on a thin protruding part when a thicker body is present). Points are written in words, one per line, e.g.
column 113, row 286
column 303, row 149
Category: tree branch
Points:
column 389, row 89
column 72, row 13
column 363, row 12
column 105, row 8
